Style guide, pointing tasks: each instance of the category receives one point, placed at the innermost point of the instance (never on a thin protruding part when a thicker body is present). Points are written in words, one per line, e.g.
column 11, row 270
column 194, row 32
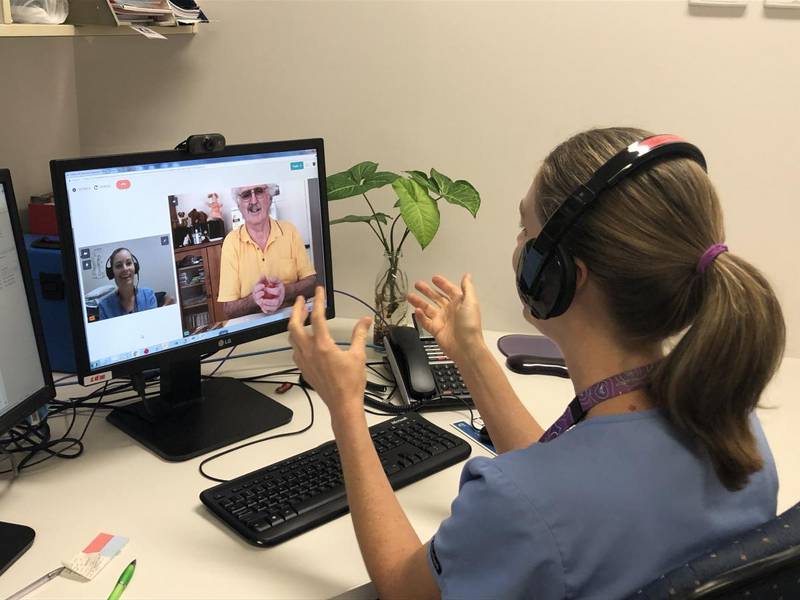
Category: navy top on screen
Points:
column 110, row 306
column 597, row 513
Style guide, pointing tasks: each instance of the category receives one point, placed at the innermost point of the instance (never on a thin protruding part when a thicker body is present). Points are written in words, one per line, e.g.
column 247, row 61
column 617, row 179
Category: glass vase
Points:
column 391, row 287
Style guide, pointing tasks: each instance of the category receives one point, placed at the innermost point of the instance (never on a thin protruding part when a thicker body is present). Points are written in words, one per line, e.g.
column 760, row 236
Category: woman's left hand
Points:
column 338, row 376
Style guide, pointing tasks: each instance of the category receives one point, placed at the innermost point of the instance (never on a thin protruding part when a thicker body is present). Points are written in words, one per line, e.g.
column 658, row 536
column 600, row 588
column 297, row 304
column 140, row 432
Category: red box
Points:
column 42, row 219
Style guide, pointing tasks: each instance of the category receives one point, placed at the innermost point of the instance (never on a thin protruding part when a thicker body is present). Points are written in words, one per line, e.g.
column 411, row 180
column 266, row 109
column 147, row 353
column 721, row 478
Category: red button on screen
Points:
column 123, row 184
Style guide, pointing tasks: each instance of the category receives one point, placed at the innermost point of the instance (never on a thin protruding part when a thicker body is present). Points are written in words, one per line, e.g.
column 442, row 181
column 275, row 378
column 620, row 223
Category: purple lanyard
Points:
column 616, row 385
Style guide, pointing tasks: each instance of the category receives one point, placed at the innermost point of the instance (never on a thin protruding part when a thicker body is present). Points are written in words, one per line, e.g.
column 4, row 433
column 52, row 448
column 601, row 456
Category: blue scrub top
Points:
column 110, row 306
column 597, row 513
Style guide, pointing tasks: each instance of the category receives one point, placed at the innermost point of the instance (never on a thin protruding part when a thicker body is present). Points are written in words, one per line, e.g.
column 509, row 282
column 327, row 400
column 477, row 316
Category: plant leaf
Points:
column 420, row 212
column 378, row 180
column 362, row 170
column 358, row 179
column 342, row 185
column 422, row 178
column 382, row 217
column 460, row 192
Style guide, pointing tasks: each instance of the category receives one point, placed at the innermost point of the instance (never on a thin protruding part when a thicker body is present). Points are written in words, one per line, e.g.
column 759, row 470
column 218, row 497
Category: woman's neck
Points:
column 594, row 359
column 126, row 292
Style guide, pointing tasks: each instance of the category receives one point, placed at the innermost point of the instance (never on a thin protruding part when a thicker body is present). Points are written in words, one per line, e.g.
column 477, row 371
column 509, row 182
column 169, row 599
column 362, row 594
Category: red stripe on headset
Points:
column 655, row 141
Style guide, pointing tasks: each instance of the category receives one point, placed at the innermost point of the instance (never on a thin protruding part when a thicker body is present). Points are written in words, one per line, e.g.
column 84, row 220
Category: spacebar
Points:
column 319, row 500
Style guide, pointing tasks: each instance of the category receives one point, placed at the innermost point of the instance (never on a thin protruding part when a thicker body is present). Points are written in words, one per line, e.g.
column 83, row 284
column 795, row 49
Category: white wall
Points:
column 38, row 111
column 479, row 90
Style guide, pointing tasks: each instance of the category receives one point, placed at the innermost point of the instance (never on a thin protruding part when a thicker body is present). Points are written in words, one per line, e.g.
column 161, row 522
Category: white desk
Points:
column 182, row 551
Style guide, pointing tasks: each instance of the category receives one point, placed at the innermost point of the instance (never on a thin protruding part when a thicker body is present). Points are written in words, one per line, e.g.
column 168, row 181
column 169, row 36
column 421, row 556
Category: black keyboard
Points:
column 280, row 501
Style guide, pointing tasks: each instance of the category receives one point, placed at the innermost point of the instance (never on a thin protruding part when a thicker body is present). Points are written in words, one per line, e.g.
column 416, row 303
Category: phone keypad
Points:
column 445, row 373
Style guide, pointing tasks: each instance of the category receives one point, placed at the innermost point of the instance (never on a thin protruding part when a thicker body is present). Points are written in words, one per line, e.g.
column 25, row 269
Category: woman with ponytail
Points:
column 669, row 337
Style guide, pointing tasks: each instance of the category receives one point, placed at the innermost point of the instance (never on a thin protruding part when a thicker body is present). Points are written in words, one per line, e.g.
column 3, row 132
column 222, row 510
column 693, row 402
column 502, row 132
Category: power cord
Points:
column 357, row 299
column 258, row 441
column 45, row 443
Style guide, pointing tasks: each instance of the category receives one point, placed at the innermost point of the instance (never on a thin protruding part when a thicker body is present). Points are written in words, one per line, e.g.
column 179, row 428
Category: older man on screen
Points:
column 264, row 264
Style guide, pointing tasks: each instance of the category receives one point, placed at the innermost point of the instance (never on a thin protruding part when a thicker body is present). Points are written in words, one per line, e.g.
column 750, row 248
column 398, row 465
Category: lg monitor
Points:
column 26, row 383
column 170, row 256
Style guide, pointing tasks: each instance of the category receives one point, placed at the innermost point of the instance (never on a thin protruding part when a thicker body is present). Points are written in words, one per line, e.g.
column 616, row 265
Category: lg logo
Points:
column 225, row 342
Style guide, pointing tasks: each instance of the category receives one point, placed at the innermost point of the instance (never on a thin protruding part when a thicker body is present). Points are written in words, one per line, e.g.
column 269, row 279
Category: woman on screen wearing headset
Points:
column 123, row 267
column 660, row 455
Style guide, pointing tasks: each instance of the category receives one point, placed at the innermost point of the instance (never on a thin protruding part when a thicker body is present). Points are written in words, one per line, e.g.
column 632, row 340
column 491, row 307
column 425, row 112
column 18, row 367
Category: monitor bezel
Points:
column 58, row 170
column 45, row 394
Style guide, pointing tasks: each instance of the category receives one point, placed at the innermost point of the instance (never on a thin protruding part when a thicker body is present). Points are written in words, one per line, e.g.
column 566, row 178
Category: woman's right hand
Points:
column 451, row 314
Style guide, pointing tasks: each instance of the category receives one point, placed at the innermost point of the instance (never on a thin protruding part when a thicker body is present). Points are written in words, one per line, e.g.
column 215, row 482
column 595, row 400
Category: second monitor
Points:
column 169, row 257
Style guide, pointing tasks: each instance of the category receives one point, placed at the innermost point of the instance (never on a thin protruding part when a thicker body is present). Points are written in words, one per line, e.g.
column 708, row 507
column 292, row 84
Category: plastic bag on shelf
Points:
column 39, row 11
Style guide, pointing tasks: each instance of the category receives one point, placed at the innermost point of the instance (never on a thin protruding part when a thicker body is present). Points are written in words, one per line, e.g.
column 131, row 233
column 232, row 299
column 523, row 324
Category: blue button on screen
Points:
column 297, row 166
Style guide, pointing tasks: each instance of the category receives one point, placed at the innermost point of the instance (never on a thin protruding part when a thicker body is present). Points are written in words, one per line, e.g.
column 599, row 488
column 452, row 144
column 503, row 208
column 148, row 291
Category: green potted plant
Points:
column 417, row 197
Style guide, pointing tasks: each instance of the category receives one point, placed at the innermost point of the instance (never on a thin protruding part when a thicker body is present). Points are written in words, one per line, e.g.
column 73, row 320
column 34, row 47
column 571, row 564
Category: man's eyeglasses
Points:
column 247, row 194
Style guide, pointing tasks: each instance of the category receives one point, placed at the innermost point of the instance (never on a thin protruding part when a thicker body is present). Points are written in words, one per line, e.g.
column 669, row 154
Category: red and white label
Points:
column 97, row 378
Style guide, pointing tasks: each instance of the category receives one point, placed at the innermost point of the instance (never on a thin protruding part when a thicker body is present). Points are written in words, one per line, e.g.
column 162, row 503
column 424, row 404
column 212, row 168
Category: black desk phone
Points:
column 426, row 377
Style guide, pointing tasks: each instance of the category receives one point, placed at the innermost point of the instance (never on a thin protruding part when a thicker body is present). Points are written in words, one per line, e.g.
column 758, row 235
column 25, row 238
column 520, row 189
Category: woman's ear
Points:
column 581, row 274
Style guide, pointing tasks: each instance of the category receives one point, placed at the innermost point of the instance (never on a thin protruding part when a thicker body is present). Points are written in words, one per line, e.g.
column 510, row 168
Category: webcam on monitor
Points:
column 204, row 143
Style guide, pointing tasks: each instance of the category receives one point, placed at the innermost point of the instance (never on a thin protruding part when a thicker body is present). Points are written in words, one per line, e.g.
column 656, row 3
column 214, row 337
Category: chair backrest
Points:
column 762, row 564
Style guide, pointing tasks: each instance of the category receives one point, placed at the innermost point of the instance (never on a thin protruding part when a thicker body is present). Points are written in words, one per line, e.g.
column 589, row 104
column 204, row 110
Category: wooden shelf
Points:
column 188, row 267
column 203, row 304
column 28, row 30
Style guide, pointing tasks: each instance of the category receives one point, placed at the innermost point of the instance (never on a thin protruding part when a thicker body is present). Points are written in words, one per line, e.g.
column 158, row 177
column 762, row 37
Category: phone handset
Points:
column 409, row 363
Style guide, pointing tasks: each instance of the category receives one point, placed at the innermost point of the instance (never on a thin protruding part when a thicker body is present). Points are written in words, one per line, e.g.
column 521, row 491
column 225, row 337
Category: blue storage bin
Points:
column 48, row 282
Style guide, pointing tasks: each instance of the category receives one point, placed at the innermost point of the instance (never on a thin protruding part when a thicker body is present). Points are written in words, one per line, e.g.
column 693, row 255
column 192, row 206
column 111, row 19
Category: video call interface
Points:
column 164, row 252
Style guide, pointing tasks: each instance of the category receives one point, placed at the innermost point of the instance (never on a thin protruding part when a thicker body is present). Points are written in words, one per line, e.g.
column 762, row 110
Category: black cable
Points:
column 48, row 444
column 258, row 441
column 379, row 374
column 357, row 299
column 259, row 378
column 222, row 362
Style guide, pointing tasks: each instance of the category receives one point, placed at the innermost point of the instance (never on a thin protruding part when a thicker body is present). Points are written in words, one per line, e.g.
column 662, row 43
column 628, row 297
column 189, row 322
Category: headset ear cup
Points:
column 566, row 290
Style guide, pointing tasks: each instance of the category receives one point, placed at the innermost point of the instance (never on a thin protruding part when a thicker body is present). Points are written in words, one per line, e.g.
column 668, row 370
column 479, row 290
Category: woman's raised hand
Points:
column 450, row 313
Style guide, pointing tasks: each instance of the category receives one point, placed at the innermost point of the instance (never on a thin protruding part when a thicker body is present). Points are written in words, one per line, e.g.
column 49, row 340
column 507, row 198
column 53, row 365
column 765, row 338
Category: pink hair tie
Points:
column 709, row 255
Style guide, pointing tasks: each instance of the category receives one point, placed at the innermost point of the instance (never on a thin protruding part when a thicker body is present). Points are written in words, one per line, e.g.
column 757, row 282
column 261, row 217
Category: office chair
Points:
column 760, row 564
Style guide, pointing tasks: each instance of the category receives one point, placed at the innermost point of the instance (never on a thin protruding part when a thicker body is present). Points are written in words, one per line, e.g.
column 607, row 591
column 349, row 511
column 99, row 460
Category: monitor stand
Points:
column 193, row 416
column 14, row 541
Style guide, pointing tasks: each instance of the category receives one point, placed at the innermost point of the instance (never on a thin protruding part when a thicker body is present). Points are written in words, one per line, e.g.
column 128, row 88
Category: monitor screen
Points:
column 169, row 253
column 22, row 373
column 172, row 255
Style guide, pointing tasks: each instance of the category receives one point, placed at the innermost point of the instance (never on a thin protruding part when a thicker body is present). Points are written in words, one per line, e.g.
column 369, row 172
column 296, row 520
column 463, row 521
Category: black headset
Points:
column 110, row 269
column 545, row 270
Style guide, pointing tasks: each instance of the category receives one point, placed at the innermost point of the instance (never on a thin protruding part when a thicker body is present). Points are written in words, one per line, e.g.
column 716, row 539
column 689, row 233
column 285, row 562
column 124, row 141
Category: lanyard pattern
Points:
column 616, row 385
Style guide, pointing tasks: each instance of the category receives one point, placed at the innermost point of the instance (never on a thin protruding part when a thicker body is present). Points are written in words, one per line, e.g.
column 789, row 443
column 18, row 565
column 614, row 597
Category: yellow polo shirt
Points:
column 244, row 263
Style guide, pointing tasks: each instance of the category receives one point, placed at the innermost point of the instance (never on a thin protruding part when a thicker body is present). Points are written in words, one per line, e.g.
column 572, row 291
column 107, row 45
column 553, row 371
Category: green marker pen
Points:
column 123, row 581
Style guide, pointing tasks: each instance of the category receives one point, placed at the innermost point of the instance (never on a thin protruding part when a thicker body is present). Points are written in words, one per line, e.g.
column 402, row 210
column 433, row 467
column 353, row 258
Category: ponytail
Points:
column 712, row 379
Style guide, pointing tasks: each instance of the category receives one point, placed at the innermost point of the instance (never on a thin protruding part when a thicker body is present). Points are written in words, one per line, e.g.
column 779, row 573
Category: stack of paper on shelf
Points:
column 143, row 12
column 187, row 12
column 158, row 12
